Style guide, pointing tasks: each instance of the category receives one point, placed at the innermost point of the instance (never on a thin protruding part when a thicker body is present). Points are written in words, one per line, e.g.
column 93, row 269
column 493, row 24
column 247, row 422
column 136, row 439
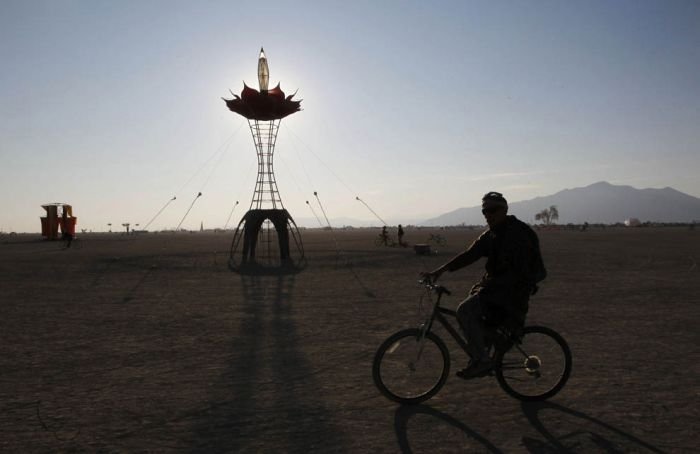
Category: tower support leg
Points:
column 252, row 253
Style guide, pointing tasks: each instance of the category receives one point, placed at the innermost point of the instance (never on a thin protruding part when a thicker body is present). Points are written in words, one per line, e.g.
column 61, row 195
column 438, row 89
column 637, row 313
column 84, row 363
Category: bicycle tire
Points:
column 389, row 361
column 519, row 368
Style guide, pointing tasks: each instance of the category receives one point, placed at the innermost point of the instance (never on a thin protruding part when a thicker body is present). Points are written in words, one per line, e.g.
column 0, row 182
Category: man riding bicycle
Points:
column 513, row 269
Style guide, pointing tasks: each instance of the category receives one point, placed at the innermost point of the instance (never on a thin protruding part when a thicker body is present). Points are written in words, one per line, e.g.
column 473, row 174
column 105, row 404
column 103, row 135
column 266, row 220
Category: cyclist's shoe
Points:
column 476, row 369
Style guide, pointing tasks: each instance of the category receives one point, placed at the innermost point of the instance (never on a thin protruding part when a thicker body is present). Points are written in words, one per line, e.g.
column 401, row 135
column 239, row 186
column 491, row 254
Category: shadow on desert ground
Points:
column 238, row 407
column 150, row 342
column 585, row 433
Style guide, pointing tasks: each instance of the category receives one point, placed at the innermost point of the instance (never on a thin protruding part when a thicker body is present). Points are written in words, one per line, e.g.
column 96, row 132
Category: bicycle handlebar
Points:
column 430, row 285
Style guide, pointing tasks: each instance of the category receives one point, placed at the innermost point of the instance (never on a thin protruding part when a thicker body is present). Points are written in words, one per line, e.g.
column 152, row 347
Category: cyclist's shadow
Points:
column 585, row 433
column 405, row 412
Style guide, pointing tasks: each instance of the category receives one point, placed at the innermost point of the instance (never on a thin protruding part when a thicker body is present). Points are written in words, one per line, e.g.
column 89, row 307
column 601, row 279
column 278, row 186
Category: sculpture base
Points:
column 267, row 241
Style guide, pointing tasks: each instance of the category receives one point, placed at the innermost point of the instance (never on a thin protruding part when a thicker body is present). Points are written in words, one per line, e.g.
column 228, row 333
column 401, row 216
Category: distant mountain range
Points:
column 598, row 203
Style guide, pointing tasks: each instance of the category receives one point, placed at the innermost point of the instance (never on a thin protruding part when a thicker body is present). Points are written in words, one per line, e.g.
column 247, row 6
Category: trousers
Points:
column 503, row 308
column 470, row 315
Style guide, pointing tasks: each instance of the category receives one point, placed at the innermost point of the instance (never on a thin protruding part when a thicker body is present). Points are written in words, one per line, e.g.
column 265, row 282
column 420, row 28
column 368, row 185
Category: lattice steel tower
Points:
column 266, row 194
column 266, row 228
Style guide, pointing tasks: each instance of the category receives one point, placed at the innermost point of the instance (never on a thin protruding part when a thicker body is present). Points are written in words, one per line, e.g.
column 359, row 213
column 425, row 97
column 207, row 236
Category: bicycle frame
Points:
column 438, row 313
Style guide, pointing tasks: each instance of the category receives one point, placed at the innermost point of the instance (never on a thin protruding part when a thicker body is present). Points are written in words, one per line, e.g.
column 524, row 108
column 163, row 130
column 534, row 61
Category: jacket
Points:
column 513, row 260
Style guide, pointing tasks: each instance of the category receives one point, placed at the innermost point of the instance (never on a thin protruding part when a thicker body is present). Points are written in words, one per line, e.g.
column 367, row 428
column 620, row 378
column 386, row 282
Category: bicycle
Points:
column 387, row 241
column 437, row 240
column 531, row 363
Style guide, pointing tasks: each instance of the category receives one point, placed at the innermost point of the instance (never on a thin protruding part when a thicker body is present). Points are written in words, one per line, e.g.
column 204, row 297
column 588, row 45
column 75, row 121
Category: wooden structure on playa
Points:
column 56, row 219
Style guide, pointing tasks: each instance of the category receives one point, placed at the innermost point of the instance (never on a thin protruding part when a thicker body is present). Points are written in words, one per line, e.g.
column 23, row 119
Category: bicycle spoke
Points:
column 523, row 352
column 393, row 347
column 514, row 378
column 512, row 367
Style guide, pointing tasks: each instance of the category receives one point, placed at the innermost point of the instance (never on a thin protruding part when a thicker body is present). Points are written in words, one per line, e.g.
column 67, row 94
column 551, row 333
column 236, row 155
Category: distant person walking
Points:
column 384, row 236
column 401, row 243
column 66, row 235
column 513, row 268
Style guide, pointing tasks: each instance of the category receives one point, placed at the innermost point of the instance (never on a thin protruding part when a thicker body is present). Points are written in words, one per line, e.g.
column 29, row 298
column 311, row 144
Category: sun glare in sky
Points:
column 416, row 108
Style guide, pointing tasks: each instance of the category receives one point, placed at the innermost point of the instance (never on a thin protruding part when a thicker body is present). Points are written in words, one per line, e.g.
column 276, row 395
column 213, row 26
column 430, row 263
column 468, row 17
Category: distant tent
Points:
column 632, row 222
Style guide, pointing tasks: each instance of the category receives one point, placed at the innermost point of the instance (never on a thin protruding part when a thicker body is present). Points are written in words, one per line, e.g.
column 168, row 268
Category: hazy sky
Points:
column 418, row 108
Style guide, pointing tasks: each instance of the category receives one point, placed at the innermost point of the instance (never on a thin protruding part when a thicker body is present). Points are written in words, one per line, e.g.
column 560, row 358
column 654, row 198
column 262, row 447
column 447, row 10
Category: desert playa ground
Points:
column 150, row 343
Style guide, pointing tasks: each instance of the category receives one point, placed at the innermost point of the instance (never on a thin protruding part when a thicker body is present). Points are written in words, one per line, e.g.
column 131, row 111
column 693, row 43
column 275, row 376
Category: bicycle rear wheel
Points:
column 409, row 368
column 536, row 367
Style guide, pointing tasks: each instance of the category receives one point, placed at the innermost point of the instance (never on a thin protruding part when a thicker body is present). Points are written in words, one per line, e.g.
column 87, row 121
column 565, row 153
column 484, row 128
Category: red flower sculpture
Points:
column 265, row 105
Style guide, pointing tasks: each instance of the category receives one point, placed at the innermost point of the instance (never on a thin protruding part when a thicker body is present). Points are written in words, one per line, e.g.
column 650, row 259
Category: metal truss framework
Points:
column 266, row 228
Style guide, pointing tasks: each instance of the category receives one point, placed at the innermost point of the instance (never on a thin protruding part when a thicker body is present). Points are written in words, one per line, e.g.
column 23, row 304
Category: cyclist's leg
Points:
column 470, row 314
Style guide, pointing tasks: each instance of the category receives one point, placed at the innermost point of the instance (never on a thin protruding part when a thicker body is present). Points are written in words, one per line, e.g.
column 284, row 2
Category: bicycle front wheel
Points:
column 536, row 367
column 410, row 368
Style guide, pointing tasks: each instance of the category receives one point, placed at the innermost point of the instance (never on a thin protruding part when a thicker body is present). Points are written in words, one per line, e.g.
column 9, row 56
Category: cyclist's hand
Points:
column 432, row 276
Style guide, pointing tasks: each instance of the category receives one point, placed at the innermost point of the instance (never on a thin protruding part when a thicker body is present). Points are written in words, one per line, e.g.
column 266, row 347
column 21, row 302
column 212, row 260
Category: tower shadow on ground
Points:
column 267, row 374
